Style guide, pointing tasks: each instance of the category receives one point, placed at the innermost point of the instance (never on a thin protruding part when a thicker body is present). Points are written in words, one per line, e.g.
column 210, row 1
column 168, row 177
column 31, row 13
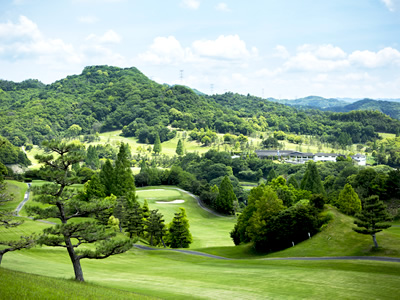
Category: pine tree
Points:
column 373, row 218
column 157, row 145
column 124, row 181
column 92, row 158
column 226, row 198
column 155, row 227
column 107, row 177
column 178, row 231
column 64, row 203
column 146, row 210
column 136, row 221
column 348, row 201
column 311, row 180
column 179, row 148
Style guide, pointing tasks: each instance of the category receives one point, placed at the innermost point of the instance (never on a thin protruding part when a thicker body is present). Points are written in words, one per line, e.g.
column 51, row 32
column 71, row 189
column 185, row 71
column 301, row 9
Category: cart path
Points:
column 142, row 247
column 26, row 198
column 21, row 205
column 373, row 258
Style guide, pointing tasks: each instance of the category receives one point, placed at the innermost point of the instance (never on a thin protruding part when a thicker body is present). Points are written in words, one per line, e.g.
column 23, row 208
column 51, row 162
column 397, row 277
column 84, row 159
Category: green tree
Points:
column 373, row 218
column 107, row 177
column 311, row 180
column 155, row 227
column 179, row 148
column 136, row 220
column 179, row 235
column 348, row 201
column 157, row 145
column 74, row 130
column 92, row 158
column 266, row 208
column 124, row 184
column 62, row 202
column 226, row 199
column 146, row 210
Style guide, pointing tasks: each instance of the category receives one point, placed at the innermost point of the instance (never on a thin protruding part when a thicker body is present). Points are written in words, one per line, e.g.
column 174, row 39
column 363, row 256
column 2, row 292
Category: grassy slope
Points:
column 17, row 285
column 336, row 239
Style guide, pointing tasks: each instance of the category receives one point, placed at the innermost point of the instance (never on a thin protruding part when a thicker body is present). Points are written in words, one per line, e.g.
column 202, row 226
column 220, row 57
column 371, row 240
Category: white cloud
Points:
column 229, row 47
column 166, row 50
column 223, row 49
column 25, row 29
column 306, row 61
column 281, row 52
column 191, row 4
column 109, row 37
column 385, row 57
column 222, row 7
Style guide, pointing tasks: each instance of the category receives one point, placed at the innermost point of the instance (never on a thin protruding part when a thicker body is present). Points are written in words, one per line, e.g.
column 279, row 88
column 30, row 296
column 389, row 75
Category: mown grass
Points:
column 336, row 239
column 171, row 275
column 17, row 190
column 207, row 229
column 19, row 285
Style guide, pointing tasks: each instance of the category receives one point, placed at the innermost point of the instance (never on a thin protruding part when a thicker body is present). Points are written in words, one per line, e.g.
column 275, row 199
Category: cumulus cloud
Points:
column 229, row 47
column 23, row 40
column 191, row 4
column 166, row 50
column 222, row 7
column 224, row 48
column 385, row 57
column 282, row 52
column 109, row 37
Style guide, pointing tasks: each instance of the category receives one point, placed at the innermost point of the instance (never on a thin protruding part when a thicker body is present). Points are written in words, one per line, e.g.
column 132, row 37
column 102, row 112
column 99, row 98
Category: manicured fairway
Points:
column 171, row 275
column 207, row 229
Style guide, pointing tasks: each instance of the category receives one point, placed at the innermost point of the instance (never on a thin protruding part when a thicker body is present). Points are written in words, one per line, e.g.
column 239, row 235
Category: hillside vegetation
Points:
column 104, row 98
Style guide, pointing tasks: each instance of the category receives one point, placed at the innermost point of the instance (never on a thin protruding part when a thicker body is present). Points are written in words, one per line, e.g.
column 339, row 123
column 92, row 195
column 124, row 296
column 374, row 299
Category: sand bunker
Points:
column 170, row 202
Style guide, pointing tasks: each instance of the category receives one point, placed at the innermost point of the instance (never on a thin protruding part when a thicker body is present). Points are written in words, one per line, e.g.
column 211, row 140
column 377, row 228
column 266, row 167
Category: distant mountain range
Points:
column 390, row 107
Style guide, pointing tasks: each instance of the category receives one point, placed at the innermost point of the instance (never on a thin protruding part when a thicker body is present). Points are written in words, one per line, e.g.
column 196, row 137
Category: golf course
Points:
column 169, row 274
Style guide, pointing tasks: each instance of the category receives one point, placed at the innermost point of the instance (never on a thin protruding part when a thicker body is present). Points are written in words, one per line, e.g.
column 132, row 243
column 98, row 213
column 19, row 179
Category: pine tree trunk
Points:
column 163, row 242
column 76, row 263
column 1, row 257
column 374, row 239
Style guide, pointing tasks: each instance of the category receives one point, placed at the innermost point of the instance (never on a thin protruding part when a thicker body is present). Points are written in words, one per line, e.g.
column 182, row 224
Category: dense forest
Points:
column 105, row 98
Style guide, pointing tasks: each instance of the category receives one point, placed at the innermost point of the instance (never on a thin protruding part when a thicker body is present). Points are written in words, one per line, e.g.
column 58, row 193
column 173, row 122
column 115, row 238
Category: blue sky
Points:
column 270, row 48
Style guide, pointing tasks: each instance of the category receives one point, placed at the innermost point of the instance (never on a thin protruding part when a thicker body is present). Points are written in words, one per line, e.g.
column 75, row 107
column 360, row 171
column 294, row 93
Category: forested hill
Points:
column 389, row 108
column 104, row 98
column 312, row 102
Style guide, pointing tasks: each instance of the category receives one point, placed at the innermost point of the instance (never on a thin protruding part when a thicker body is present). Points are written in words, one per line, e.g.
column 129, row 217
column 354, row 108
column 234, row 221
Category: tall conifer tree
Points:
column 373, row 218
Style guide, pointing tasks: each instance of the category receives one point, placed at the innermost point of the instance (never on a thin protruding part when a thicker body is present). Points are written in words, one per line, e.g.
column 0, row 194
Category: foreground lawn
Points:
column 172, row 275
column 18, row 285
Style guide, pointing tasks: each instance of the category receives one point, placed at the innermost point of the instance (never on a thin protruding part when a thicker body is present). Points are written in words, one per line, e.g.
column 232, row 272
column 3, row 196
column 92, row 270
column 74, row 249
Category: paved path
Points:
column 373, row 258
column 182, row 251
column 26, row 198
column 21, row 205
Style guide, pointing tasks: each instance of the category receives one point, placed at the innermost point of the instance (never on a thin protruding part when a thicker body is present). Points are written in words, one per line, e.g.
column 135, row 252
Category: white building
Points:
column 361, row 160
column 325, row 156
